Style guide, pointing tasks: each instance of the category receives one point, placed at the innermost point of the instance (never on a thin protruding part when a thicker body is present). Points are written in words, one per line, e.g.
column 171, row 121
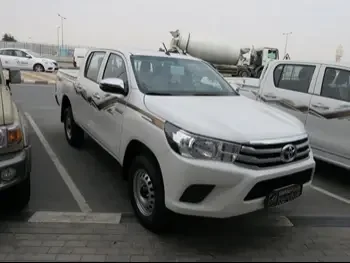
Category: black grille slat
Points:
column 263, row 188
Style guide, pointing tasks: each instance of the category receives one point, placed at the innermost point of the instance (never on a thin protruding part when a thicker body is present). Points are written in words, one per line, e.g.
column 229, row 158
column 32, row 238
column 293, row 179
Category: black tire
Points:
column 74, row 134
column 18, row 196
column 159, row 220
column 244, row 74
column 38, row 68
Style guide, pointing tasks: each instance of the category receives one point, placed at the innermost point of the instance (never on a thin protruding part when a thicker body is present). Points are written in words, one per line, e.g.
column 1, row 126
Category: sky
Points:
column 318, row 27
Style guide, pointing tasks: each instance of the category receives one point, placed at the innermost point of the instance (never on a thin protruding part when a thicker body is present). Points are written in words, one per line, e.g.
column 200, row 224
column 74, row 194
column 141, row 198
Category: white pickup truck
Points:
column 317, row 93
column 187, row 141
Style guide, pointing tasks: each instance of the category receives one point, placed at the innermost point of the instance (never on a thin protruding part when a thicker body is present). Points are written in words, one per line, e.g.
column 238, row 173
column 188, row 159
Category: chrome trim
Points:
column 279, row 140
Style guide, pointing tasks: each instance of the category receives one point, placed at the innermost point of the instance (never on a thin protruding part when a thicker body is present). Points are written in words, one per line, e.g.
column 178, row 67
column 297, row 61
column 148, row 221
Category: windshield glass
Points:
column 178, row 76
column 34, row 54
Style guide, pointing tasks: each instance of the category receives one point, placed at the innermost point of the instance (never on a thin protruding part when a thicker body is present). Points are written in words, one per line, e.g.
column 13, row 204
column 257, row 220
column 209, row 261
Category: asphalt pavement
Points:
column 66, row 181
column 96, row 174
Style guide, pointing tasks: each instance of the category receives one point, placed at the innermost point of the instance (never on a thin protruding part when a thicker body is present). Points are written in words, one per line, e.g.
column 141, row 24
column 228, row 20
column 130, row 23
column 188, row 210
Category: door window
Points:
column 293, row 77
column 19, row 53
column 93, row 65
column 115, row 68
column 336, row 84
column 8, row 52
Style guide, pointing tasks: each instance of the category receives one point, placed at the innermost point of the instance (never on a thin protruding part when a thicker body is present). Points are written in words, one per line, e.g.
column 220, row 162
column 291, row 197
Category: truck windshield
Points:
column 178, row 76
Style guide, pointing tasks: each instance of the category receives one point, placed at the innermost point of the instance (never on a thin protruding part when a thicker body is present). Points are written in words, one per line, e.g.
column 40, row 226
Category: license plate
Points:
column 283, row 195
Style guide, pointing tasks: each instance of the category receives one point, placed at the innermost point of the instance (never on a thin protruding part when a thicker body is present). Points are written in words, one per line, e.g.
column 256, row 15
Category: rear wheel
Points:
column 146, row 192
column 74, row 134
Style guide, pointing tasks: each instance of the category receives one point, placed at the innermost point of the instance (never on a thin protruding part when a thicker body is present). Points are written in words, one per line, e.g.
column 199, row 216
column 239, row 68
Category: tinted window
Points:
column 19, row 53
column 336, row 84
column 293, row 77
column 93, row 66
column 115, row 68
column 178, row 76
column 9, row 52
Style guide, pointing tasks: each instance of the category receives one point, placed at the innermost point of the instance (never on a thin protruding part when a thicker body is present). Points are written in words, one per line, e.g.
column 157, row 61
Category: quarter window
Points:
column 93, row 66
column 336, row 84
column 293, row 77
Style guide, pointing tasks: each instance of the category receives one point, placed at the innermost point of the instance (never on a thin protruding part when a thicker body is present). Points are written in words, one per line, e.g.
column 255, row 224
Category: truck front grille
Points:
column 269, row 155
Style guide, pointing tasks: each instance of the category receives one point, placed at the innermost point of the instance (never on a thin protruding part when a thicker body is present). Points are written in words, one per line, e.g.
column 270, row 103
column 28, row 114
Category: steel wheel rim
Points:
column 69, row 127
column 143, row 192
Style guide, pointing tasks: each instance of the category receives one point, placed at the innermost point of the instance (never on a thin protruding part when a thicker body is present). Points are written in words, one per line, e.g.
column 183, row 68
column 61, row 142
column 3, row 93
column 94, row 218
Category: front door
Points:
column 22, row 60
column 328, row 121
column 289, row 88
column 108, row 116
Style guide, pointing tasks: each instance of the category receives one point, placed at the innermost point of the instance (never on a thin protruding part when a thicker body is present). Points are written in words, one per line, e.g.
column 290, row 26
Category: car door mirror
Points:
column 14, row 77
column 113, row 85
column 28, row 56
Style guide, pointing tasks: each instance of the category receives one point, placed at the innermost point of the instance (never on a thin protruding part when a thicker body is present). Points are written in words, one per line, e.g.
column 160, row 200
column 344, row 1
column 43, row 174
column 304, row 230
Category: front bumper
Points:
column 224, row 189
column 21, row 162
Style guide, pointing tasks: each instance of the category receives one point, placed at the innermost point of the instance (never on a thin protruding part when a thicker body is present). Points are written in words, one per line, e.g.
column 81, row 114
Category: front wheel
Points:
column 39, row 68
column 146, row 192
column 74, row 134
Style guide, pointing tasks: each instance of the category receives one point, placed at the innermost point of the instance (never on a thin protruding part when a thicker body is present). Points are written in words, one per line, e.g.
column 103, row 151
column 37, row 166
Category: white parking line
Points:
column 337, row 197
column 72, row 217
column 79, row 198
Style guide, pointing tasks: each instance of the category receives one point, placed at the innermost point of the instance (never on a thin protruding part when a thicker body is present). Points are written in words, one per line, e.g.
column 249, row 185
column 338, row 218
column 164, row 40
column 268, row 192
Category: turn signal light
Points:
column 14, row 135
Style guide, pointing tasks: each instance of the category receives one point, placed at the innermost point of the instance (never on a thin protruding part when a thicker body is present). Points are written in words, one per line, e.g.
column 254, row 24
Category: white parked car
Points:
column 187, row 141
column 25, row 59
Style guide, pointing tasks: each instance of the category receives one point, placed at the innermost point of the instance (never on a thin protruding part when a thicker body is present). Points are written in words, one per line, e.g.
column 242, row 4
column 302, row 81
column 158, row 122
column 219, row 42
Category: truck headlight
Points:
column 199, row 147
column 11, row 137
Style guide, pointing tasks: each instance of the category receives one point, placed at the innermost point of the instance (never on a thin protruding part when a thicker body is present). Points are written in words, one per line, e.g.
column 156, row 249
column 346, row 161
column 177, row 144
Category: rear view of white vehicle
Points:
column 78, row 56
column 168, row 120
column 25, row 59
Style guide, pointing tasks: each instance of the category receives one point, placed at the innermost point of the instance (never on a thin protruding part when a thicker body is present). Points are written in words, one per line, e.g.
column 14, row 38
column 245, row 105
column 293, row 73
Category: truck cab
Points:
column 318, row 94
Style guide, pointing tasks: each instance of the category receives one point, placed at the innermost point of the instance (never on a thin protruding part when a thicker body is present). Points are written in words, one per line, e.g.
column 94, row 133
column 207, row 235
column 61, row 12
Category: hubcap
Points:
column 144, row 192
column 69, row 126
column 38, row 68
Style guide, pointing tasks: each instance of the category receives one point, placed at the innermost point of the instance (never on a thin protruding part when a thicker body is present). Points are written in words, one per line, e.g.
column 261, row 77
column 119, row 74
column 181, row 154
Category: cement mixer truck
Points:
column 228, row 60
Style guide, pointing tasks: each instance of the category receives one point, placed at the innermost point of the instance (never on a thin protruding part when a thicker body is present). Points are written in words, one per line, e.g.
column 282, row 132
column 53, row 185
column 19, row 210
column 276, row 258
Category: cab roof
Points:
column 140, row 52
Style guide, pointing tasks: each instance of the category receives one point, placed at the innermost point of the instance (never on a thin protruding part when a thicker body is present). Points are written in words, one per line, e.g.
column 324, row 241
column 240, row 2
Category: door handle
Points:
column 319, row 106
column 96, row 96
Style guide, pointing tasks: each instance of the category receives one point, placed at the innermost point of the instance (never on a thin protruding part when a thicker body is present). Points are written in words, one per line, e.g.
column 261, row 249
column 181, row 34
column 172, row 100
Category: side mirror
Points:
column 113, row 85
column 14, row 77
column 28, row 56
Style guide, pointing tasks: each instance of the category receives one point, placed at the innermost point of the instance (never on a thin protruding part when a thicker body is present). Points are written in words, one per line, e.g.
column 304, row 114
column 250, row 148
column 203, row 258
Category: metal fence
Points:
column 42, row 49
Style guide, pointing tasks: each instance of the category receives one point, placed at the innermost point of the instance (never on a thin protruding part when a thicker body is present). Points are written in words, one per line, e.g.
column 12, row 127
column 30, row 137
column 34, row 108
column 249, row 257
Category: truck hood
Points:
column 232, row 118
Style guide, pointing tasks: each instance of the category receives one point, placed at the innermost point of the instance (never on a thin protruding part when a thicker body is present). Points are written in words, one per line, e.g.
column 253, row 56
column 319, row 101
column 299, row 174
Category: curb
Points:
column 42, row 82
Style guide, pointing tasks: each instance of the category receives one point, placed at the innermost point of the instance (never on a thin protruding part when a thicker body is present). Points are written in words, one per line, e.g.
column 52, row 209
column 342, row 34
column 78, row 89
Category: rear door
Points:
column 328, row 120
column 288, row 86
column 8, row 58
column 85, row 86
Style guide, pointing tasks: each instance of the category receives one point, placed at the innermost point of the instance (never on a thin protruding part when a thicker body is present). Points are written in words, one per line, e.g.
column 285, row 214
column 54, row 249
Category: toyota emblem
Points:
column 288, row 153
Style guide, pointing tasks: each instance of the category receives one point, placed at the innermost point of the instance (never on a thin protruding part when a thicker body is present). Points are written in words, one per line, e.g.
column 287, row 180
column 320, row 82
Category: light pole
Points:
column 62, row 18
column 285, row 47
column 58, row 40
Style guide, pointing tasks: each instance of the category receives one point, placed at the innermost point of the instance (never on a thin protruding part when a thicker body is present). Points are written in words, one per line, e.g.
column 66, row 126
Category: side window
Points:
column 93, row 65
column 336, row 84
column 115, row 68
column 9, row 52
column 19, row 53
column 293, row 77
